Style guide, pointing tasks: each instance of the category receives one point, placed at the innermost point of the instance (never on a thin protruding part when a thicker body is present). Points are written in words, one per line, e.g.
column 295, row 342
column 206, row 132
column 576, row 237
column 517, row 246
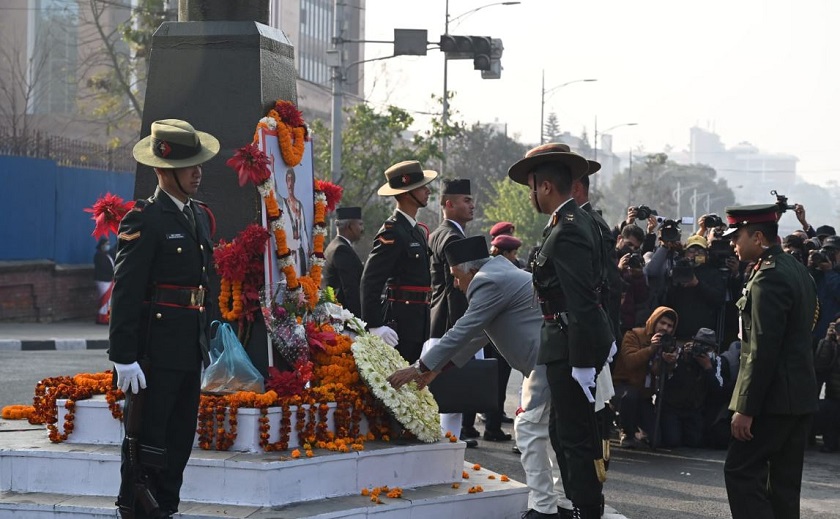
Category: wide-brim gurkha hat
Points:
column 404, row 176
column 553, row 152
column 594, row 167
column 174, row 143
column 742, row 215
column 468, row 249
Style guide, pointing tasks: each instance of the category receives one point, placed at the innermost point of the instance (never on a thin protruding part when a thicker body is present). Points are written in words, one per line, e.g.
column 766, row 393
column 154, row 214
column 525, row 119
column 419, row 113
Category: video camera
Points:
column 782, row 202
column 720, row 250
column 682, row 272
column 644, row 212
column 669, row 230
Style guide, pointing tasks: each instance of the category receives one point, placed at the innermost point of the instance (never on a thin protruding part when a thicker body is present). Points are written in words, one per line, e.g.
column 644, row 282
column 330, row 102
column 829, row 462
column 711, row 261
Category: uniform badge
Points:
column 176, row 236
column 128, row 236
column 164, row 149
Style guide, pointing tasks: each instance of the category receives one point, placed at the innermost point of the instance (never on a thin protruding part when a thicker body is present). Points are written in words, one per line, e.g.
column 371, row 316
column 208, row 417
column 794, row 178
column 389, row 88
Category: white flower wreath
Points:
column 415, row 409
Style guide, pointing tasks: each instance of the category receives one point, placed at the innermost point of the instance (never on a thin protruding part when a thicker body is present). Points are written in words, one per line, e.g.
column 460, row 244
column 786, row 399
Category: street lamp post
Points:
column 542, row 100
column 445, row 115
column 595, row 143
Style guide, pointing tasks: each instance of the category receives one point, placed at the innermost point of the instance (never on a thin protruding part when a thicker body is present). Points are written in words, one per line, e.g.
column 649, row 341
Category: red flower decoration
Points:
column 251, row 164
column 108, row 212
column 242, row 260
column 317, row 338
column 289, row 383
column 289, row 114
column 332, row 191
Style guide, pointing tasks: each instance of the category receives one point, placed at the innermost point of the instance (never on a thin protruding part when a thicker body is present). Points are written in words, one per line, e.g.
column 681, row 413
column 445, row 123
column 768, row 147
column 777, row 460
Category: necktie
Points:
column 190, row 216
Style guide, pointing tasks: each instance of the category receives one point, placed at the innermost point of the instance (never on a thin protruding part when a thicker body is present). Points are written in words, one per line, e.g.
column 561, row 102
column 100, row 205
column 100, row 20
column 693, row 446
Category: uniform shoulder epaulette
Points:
column 767, row 263
column 142, row 203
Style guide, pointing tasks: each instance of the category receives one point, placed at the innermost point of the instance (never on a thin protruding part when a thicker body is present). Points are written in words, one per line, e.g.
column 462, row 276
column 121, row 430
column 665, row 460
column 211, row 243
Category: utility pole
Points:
column 337, row 89
column 445, row 116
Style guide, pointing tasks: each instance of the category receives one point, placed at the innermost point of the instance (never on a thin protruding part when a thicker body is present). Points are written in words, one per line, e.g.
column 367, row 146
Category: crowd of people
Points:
column 721, row 339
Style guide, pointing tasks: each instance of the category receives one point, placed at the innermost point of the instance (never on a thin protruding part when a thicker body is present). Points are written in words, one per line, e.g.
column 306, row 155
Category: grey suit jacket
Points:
column 501, row 307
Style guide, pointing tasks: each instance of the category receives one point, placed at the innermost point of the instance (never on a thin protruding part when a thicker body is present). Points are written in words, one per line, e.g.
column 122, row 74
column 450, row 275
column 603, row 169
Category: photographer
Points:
column 827, row 366
column 691, row 375
column 820, row 233
column 709, row 224
column 634, row 298
column 646, row 214
column 696, row 290
column 662, row 261
column 633, row 375
column 794, row 245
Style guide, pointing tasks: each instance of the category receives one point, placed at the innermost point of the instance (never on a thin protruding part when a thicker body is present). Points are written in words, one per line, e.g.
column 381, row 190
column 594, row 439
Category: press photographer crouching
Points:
column 692, row 374
column 827, row 366
column 633, row 374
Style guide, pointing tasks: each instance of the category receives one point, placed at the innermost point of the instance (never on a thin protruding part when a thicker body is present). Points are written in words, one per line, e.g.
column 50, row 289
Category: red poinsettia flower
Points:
column 289, row 114
column 251, row 164
column 108, row 211
column 333, row 192
column 317, row 338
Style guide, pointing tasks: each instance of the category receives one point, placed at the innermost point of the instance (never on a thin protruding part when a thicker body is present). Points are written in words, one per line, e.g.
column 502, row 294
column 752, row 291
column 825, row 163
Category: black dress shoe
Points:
column 506, row 418
column 533, row 514
column 496, row 436
column 471, row 444
column 565, row 513
column 469, row 432
column 516, row 450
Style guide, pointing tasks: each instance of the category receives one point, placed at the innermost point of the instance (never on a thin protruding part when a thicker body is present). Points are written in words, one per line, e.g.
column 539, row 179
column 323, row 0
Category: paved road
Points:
column 685, row 483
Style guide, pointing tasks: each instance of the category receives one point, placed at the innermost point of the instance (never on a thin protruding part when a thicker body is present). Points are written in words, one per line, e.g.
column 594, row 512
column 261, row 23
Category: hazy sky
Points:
column 759, row 71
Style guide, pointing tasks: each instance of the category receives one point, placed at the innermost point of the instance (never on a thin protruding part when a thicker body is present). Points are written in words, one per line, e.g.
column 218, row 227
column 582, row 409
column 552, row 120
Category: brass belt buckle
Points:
column 197, row 297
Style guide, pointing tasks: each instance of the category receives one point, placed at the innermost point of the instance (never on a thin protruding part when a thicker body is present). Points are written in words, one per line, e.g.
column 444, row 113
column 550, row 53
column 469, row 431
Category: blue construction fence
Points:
column 42, row 208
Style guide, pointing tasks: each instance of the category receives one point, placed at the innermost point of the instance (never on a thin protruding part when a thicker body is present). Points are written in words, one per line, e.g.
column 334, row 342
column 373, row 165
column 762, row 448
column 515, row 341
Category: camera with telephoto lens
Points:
column 682, row 272
column 644, row 212
column 636, row 261
column 820, row 256
column 782, row 202
column 712, row 220
column 668, row 343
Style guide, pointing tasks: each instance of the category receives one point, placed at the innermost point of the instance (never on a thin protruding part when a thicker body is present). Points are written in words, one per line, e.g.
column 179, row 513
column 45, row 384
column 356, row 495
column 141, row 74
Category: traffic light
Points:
column 477, row 48
column 495, row 69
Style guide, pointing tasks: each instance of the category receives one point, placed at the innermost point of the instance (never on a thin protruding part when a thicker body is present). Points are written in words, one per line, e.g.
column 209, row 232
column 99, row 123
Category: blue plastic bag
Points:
column 230, row 369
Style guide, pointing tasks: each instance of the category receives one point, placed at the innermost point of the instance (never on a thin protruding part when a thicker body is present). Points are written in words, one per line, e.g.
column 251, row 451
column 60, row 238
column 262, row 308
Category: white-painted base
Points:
column 93, row 424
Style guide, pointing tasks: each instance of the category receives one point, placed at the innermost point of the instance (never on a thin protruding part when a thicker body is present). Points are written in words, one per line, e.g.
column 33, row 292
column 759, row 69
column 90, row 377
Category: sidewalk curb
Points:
column 53, row 344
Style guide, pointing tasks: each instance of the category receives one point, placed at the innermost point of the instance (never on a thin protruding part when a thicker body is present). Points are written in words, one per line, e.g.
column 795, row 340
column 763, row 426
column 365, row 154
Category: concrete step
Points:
column 502, row 500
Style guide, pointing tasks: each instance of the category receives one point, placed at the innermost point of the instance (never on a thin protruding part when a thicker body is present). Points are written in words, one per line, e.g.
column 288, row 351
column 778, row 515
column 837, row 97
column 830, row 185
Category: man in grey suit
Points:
column 500, row 306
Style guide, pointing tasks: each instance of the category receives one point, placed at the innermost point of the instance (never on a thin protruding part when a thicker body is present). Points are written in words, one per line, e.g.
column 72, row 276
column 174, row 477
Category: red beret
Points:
column 501, row 228
column 506, row 242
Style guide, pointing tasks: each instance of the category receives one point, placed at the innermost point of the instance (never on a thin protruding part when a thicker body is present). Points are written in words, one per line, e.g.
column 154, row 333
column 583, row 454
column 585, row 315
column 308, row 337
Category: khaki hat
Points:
column 174, row 143
column 696, row 241
column 557, row 152
column 404, row 176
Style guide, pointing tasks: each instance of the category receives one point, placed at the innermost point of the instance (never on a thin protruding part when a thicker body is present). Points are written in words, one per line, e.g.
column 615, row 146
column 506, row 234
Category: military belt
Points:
column 409, row 294
column 177, row 295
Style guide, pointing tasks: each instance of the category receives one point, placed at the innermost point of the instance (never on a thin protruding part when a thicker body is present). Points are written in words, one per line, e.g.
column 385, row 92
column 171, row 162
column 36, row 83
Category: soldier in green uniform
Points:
column 576, row 335
column 776, row 392
column 158, row 311
column 396, row 280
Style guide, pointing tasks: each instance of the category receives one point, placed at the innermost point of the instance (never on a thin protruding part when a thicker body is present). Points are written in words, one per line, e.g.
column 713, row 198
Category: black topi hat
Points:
column 348, row 213
column 468, row 249
column 456, row 186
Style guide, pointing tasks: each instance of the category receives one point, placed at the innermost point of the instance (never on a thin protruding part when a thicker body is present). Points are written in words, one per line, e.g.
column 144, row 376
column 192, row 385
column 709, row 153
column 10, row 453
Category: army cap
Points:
column 502, row 228
column 741, row 215
column 506, row 242
column 468, row 249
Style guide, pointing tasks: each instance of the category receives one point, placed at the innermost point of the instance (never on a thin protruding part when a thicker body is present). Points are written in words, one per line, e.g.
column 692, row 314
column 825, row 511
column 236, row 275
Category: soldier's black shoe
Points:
column 506, row 418
column 533, row 514
column 496, row 436
column 565, row 513
column 469, row 432
column 471, row 444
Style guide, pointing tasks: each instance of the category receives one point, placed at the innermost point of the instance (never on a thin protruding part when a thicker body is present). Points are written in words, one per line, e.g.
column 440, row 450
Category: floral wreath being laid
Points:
column 416, row 410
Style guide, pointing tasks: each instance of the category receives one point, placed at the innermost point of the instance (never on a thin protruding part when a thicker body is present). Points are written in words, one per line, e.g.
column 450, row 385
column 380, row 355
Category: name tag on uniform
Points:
column 176, row 236
column 415, row 244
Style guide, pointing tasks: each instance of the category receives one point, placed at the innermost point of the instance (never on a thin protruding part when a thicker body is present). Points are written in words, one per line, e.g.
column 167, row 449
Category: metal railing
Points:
column 67, row 152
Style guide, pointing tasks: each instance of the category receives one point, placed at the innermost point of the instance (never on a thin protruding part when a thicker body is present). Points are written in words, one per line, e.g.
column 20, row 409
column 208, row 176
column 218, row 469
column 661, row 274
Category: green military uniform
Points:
column 776, row 385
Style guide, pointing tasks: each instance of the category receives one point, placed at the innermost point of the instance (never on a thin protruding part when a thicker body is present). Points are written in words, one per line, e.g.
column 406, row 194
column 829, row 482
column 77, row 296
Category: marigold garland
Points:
column 17, row 412
column 231, row 290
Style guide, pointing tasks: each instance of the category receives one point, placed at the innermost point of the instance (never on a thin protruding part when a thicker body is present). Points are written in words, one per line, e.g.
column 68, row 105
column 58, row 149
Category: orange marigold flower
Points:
column 456, row 485
column 504, row 478
column 491, row 476
column 365, row 492
column 296, row 454
column 476, row 467
column 465, row 475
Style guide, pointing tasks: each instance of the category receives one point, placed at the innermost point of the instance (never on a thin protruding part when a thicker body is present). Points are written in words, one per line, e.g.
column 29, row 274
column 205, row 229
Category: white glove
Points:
column 586, row 378
column 130, row 375
column 613, row 351
column 387, row 334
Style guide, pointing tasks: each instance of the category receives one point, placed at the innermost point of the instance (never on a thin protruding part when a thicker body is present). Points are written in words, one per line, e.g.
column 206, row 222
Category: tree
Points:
column 371, row 142
column 114, row 45
column 552, row 128
column 512, row 203
column 483, row 155
column 21, row 77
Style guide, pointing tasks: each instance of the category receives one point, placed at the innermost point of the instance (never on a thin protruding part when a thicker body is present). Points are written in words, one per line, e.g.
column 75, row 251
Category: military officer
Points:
column 576, row 334
column 398, row 265
column 159, row 331
column 776, row 391
column 343, row 269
